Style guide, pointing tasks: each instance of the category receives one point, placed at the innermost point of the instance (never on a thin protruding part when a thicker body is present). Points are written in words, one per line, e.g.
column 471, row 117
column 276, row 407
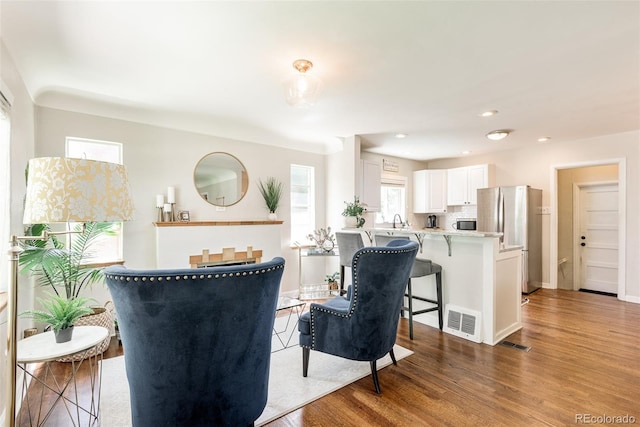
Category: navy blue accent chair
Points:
column 197, row 342
column 363, row 326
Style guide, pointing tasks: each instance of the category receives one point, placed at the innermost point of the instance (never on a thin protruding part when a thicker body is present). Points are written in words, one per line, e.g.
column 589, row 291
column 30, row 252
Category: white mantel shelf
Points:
column 213, row 223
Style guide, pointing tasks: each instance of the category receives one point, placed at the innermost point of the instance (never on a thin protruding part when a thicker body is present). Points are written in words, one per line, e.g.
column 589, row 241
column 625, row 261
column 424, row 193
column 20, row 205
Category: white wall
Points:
column 534, row 166
column 157, row 157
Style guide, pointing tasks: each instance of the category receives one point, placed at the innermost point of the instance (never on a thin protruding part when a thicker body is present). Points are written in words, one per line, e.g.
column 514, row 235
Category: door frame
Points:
column 577, row 187
column 622, row 220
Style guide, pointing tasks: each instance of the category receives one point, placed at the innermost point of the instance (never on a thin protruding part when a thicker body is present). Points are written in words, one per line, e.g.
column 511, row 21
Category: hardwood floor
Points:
column 584, row 359
column 584, row 362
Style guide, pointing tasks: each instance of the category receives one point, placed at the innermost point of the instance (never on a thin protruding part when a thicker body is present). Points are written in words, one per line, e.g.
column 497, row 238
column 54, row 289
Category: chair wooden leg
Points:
column 342, row 291
column 410, row 309
column 374, row 374
column 439, row 298
column 305, row 361
column 393, row 357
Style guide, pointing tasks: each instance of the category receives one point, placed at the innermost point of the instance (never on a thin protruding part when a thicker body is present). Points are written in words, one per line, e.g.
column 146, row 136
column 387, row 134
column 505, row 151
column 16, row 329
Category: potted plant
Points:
column 68, row 271
column 61, row 313
column 271, row 191
column 353, row 213
column 332, row 280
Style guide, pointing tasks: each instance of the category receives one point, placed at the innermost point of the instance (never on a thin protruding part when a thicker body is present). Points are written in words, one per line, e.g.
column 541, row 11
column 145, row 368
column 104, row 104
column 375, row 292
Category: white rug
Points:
column 288, row 389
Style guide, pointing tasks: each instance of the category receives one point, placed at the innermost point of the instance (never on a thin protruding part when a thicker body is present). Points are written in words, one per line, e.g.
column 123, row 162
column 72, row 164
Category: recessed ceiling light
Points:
column 488, row 113
column 401, row 135
column 466, row 152
column 544, row 139
column 497, row 135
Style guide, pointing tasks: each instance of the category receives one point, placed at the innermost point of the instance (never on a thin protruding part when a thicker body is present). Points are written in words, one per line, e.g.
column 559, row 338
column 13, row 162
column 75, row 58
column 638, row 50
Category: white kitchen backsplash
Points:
column 446, row 221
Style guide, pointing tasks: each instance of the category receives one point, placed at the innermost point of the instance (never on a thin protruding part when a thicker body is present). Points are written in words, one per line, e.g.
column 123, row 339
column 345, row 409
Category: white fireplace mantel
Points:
column 176, row 241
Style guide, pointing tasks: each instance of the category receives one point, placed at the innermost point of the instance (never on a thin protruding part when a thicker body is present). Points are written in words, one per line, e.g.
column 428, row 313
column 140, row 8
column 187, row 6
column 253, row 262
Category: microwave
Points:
column 465, row 224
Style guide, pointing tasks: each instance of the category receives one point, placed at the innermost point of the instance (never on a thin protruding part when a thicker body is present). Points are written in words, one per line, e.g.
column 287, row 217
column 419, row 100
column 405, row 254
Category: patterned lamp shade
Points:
column 77, row 190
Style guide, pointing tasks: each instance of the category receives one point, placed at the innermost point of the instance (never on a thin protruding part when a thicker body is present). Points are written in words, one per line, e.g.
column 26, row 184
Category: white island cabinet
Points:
column 478, row 277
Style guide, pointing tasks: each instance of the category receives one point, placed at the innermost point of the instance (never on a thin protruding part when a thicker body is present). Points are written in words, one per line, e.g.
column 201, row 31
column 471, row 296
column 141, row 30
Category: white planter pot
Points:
column 350, row 221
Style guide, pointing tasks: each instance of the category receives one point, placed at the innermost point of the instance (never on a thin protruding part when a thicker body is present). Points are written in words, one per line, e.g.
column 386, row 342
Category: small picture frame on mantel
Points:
column 184, row 216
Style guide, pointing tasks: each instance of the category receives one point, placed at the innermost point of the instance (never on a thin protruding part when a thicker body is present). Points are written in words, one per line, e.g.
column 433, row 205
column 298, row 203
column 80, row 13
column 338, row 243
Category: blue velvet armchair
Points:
column 197, row 342
column 363, row 326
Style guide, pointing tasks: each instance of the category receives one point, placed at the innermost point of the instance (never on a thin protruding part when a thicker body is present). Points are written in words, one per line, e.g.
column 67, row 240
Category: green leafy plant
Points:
column 59, row 312
column 332, row 278
column 66, row 270
column 271, row 191
column 354, row 208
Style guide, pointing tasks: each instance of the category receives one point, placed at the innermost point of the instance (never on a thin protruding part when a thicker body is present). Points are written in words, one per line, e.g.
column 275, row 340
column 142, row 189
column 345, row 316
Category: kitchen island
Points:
column 480, row 279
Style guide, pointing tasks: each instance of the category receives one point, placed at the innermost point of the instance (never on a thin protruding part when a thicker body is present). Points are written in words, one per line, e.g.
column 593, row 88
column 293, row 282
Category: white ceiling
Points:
column 565, row 69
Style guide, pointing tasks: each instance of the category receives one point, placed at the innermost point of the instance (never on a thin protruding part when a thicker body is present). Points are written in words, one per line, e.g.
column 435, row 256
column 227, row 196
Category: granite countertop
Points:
column 434, row 232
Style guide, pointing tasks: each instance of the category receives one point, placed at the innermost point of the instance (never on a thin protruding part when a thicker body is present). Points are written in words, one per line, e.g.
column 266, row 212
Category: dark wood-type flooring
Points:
column 584, row 363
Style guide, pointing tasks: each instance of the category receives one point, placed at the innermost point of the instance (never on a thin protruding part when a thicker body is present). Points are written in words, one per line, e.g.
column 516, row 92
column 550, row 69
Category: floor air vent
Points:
column 463, row 322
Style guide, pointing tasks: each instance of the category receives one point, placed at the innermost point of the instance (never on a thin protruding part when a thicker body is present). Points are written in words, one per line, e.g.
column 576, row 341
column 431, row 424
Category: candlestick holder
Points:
column 160, row 217
column 167, row 216
column 173, row 212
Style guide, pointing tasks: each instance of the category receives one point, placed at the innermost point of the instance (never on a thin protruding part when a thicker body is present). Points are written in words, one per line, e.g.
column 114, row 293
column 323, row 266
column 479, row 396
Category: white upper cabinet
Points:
column 462, row 184
column 370, row 185
column 430, row 191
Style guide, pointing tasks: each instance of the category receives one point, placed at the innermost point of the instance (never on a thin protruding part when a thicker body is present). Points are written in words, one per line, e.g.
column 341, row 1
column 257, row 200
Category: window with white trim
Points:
column 303, row 217
column 392, row 199
column 5, row 174
column 107, row 248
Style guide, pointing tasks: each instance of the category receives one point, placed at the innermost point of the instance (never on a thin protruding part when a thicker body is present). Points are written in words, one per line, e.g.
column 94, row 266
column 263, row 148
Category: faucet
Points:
column 399, row 220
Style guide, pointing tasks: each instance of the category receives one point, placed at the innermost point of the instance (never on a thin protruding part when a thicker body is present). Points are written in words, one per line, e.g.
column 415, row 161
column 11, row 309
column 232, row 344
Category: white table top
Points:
column 43, row 347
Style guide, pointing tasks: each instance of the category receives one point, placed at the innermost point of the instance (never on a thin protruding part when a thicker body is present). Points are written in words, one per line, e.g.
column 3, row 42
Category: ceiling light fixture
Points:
column 302, row 88
column 497, row 135
column 488, row 113
column 544, row 139
column 401, row 135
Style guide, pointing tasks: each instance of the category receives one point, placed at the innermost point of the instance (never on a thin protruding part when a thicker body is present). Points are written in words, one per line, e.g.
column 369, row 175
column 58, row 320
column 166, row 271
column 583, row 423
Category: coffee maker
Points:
column 432, row 221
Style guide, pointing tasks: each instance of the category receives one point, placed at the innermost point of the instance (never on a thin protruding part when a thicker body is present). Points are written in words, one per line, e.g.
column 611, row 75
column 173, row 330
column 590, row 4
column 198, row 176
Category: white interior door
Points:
column 596, row 240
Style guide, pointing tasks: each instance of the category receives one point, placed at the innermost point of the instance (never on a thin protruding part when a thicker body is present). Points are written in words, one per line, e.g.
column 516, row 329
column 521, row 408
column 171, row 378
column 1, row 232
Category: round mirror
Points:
column 221, row 179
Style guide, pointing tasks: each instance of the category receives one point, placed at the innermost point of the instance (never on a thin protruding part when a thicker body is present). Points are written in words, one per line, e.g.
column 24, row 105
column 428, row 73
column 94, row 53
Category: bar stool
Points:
column 348, row 244
column 421, row 267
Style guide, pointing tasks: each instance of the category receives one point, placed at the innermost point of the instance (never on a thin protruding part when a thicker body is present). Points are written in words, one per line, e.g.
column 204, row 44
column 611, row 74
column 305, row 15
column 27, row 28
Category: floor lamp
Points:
column 61, row 190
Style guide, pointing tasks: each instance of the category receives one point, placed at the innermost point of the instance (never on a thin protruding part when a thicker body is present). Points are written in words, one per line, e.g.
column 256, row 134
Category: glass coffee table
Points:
column 286, row 325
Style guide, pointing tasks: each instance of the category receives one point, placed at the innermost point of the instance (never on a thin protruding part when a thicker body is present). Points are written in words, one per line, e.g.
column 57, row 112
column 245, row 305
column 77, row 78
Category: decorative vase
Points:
column 63, row 335
column 351, row 221
column 272, row 216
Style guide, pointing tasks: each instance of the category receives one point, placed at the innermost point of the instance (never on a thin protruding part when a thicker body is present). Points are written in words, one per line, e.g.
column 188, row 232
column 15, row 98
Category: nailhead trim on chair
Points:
column 355, row 291
column 193, row 277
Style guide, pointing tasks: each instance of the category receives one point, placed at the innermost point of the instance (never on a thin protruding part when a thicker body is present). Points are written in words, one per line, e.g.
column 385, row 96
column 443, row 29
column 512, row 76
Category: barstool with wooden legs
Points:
column 421, row 267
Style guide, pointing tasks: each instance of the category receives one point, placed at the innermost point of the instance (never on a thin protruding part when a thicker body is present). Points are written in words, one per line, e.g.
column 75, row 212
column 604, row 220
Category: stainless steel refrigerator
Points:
column 516, row 212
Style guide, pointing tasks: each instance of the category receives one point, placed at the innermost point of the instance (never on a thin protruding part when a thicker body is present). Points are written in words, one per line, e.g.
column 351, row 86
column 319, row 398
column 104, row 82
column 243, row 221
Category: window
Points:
column 303, row 218
column 5, row 173
column 392, row 199
column 107, row 248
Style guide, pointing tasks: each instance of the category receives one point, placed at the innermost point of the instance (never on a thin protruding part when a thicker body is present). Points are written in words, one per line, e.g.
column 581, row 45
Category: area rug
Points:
column 288, row 389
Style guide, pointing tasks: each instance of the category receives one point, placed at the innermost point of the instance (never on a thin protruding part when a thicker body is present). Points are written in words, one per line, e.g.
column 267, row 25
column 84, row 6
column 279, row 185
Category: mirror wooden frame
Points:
column 221, row 179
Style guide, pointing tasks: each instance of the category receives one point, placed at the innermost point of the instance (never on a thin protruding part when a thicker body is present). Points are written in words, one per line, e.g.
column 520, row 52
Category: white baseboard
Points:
column 630, row 298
